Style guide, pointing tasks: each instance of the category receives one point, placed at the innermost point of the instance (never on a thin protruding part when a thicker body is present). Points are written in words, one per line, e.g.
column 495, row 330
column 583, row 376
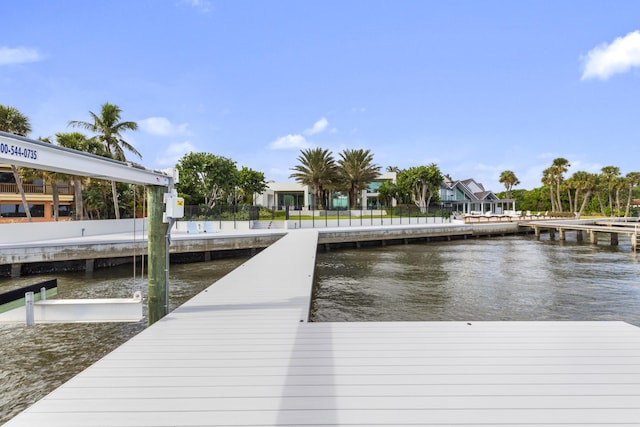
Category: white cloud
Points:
column 618, row 57
column 162, row 126
column 318, row 127
column 18, row 55
column 290, row 141
column 173, row 153
column 203, row 6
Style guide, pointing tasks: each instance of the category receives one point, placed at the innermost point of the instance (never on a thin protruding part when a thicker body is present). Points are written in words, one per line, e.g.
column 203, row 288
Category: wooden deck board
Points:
column 241, row 353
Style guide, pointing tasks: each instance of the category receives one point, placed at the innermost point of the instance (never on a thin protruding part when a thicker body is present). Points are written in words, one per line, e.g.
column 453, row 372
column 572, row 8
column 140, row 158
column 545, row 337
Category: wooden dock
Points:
column 241, row 353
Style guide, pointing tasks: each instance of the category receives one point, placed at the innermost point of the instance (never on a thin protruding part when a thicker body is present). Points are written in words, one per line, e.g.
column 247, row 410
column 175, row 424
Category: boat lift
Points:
column 25, row 152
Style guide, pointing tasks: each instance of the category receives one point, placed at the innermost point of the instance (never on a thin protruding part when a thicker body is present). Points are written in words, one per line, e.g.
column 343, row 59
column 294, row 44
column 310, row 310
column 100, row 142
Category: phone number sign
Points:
column 18, row 151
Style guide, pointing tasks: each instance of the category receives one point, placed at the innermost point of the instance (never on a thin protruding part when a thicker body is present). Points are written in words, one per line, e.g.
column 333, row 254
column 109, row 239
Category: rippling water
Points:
column 507, row 278
column 510, row 278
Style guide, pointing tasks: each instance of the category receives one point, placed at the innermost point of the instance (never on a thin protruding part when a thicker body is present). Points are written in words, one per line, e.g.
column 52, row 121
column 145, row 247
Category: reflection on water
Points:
column 511, row 278
column 38, row 359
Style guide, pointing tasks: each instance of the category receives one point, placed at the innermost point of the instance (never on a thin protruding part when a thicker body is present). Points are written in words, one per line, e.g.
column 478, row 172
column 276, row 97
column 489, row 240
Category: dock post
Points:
column 28, row 306
column 16, row 270
column 634, row 242
column 593, row 237
column 563, row 233
column 614, row 239
column 536, row 231
column 552, row 234
column 156, row 259
column 579, row 235
column 89, row 265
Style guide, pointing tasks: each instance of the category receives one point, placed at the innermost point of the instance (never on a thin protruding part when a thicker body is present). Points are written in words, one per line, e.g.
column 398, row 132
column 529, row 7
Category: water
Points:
column 507, row 278
column 510, row 278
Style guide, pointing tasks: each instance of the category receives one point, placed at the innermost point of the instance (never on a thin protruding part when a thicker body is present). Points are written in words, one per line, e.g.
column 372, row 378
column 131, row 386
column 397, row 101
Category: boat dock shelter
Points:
column 242, row 353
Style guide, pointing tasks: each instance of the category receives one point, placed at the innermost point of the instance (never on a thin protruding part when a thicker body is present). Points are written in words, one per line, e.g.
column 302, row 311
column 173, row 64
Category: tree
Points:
column 79, row 141
column 509, row 180
column 583, row 183
column 355, row 170
column 317, row 169
column 421, row 182
column 559, row 168
column 13, row 121
column 633, row 180
column 548, row 181
column 251, row 182
column 386, row 192
column 206, row 178
column 109, row 129
column 610, row 175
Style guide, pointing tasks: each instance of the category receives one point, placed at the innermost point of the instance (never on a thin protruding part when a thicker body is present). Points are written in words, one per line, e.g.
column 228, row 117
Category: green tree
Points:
column 79, row 141
column 584, row 184
column 355, row 170
column 317, row 169
column 387, row 192
column 548, row 181
column 509, row 180
column 633, row 180
column 251, row 182
column 609, row 177
column 13, row 121
column 108, row 129
column 559, row 168
column 422, row 183
column 206, row 178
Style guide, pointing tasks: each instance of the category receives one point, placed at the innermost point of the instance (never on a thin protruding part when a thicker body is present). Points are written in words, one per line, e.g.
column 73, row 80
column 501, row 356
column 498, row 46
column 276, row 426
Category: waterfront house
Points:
column 469, row 197
column 39, row 197
column 280, row 195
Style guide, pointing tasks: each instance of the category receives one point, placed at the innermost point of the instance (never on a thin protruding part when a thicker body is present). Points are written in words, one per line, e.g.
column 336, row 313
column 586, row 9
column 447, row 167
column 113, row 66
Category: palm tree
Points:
column 582, row 182
column 317, row 169
column 548, row 180
column 79, row 141
column 509, row 180
column 558, row 168
column 610, row 175
column 109, row 128
column 356, row 169
column 633, row 180
column 13, row 121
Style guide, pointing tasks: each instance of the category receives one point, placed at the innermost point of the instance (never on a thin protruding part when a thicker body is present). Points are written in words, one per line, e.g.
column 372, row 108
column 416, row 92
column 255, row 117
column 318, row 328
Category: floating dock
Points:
column 242, row 353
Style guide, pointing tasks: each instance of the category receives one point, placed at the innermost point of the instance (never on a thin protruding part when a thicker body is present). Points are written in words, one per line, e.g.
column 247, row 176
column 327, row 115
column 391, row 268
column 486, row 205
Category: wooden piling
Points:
column 157, row 255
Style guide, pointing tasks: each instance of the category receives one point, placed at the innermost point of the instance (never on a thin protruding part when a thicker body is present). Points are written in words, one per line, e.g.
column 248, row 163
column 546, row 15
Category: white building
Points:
column 296, row 196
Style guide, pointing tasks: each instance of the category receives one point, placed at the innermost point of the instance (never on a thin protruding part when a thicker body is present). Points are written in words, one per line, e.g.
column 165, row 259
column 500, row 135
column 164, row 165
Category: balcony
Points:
column 64, row 188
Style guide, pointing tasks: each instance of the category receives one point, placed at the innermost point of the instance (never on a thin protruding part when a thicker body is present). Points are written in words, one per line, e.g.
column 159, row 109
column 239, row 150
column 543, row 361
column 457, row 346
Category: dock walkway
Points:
column 241, row 353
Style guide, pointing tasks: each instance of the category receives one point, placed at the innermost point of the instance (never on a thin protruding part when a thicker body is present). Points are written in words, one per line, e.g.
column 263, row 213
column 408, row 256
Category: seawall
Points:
column 98, row 248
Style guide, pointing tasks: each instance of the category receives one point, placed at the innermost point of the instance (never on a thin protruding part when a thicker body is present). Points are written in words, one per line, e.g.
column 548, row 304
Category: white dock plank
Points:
column 241, row 353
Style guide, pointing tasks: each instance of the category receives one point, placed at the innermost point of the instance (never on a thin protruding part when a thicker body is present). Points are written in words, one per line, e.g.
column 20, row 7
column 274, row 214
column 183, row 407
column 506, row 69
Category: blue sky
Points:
column 477, row 87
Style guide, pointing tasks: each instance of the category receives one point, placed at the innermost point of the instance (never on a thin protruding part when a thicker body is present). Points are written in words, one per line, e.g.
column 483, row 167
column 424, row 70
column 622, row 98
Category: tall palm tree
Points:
column 317, row 169
column 109, row 128
column 583, row 183
column 356, row 169
column 79, row 141
column 610, row 176
column 509, row 180
column 633, row 180
column 13, row 121
column 548, row 180
column 559, row 167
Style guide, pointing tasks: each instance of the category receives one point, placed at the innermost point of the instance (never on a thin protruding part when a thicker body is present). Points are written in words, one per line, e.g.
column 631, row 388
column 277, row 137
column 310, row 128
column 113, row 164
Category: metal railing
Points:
column 318, row 218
